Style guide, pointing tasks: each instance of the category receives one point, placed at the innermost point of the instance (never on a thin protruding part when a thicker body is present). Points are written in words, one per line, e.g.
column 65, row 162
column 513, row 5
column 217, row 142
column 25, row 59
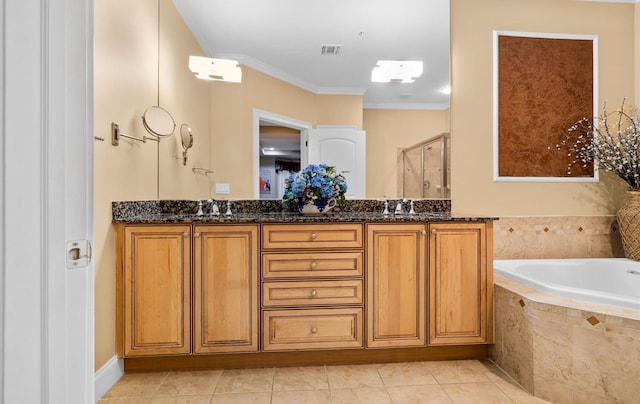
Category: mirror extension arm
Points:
column 116, row 135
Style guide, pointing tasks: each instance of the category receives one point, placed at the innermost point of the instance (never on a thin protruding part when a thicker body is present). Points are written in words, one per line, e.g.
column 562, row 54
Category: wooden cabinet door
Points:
column 154, row 290
column 459, row 288
column 396, row 309
column 226, row 288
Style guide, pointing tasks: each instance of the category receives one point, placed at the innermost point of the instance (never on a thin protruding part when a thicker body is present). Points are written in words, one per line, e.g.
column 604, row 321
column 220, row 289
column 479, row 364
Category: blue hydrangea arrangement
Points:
column 317, row 183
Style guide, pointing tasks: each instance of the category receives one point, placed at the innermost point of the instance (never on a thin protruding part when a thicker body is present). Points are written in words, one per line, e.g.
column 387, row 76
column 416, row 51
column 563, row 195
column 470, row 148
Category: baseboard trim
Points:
column 108, row 375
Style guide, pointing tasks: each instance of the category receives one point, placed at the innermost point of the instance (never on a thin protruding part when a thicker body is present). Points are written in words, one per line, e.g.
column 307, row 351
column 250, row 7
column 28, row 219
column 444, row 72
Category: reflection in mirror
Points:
column 279, row 157
column 187, row 141
column 285, row 73
column 158, row 122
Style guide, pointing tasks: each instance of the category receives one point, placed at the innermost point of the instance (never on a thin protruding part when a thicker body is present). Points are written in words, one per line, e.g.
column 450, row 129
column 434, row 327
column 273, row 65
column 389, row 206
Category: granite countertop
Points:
column 254, row 211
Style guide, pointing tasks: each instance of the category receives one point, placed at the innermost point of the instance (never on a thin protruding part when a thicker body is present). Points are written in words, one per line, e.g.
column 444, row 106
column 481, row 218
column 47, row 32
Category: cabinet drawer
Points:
column 312, row 329
column 312, row 293
column 311, row 265
column 312, row 236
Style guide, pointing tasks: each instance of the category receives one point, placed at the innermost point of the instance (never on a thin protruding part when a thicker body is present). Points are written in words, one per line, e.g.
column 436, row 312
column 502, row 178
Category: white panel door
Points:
column 46, row 199
column 343, row 148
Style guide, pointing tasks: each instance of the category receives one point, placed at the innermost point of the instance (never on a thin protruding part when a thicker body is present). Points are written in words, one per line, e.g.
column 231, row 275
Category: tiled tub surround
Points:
column 566, row 350
column 557, row 237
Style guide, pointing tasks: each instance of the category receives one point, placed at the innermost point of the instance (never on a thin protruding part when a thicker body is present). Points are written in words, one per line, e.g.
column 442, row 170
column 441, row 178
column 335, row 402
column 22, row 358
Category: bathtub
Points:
column 613, row 281
column 568, row 330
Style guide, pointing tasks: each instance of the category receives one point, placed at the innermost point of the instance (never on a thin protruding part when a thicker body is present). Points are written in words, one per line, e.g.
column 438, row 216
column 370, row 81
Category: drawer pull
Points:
column 314, row 330
column 314, row 293
column 313, row 265
column 313, row 236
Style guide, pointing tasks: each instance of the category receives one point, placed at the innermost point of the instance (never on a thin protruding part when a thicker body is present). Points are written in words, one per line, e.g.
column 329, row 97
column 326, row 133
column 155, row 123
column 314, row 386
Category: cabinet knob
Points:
column 313, row 236
column 313, row 265
column 424, row 232
column 196, row 234
column 314, row 330
column 314, row 293
column 434, row 231
column 185, row 234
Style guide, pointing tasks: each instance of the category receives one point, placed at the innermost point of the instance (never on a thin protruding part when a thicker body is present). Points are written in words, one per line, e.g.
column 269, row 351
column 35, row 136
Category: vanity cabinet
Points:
column 302, row 293
column 312, row 286
column 226, row 280
column 157, row 312
column 396, row 285
column 460, row 283
column 153, row 290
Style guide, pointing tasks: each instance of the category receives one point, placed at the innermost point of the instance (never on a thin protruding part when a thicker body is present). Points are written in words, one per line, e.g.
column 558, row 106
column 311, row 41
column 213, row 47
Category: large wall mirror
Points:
column 310, row 62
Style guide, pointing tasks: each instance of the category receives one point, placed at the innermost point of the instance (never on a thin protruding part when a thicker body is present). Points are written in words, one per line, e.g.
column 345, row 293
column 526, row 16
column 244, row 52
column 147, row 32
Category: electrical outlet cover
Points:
column 222, row 188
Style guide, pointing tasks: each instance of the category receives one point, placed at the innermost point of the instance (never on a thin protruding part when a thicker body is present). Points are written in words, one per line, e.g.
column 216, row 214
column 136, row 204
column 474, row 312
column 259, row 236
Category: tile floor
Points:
column 465, row 382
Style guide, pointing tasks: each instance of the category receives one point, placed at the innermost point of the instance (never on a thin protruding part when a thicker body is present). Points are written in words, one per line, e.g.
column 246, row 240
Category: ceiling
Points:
column 284, row 38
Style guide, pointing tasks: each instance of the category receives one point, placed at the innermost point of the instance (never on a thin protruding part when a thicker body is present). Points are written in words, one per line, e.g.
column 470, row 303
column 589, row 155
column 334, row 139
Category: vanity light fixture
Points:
column 215, row 69
column 396, row 71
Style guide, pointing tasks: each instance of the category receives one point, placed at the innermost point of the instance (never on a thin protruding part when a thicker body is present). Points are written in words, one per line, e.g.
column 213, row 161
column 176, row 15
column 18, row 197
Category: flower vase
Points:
column 629, row 222
column 316, row 207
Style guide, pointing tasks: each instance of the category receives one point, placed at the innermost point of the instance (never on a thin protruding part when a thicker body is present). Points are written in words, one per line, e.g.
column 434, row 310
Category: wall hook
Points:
column 201, row 170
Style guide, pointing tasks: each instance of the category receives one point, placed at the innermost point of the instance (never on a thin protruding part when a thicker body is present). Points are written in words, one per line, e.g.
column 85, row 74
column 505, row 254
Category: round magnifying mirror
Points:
column 158, row 122
column 186, row 136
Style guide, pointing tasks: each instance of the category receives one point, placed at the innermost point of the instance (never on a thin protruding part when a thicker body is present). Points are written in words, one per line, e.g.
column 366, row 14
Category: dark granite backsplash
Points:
column 275, row 211
column 127, row 209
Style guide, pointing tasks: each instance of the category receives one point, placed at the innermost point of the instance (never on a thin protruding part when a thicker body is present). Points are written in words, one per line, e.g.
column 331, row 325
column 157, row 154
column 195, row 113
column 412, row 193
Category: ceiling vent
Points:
column 331, row 49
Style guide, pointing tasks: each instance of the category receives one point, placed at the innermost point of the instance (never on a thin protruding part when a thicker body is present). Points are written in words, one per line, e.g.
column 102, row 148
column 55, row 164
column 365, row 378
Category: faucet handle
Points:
column 200, row 208
column 386, row 207
column 228, row 212
column 412, row 211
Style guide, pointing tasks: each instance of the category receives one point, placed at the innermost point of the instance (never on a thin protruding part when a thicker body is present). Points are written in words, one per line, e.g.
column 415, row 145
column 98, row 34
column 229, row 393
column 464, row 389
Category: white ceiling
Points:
column 283, row 38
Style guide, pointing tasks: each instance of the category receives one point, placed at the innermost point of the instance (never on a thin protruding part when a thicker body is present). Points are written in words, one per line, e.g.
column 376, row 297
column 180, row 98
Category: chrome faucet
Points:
column 199, row 208
column 412, row 211
column 399, row 207
column 386, row 208
column 214, row 207
column 228, row 212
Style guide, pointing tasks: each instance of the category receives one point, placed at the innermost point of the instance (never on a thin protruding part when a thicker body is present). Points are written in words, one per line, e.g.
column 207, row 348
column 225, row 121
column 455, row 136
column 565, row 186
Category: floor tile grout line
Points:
column 502, row 377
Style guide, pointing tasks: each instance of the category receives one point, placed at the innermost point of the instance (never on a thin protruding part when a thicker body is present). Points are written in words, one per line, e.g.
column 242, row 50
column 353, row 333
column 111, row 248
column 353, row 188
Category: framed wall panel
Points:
column 543, row 84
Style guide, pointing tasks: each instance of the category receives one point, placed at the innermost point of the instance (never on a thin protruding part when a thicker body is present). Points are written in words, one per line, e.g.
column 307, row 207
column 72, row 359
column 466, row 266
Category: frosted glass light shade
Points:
column 396, row 71
column 215, row 69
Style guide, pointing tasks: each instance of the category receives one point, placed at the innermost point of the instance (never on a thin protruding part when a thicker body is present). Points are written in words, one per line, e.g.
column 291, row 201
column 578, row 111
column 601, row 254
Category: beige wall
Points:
column 340, row 110
column 188, row 101
column 126, row 84
column 389, row 131
column 472, row 23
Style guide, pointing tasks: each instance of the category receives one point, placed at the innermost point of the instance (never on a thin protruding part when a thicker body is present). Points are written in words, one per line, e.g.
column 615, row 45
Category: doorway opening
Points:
column 280, row 148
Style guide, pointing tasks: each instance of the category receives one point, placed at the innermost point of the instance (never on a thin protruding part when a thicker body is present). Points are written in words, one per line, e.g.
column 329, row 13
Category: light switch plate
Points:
column 222, row 188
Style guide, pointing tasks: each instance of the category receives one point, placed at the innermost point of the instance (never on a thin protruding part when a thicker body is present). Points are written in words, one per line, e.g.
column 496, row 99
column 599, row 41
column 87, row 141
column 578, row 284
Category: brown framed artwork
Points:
column 543, row 84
